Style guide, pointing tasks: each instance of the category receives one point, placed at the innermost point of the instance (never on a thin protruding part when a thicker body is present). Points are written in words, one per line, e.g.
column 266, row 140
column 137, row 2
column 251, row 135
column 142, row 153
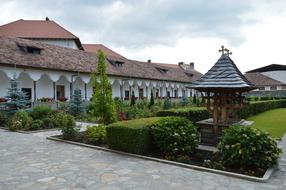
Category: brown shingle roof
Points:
column 37, row 29
column 59, row 58
column 93, row 48
column 259, row 79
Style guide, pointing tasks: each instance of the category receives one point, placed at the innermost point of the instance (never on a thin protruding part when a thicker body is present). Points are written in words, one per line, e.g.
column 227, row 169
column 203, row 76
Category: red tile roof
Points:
column 37, row 29
column 259, row 79
column 93, row 48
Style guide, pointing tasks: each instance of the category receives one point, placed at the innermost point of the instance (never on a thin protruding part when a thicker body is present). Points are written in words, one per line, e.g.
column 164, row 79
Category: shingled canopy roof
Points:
column 224, row 75
column 53, row 57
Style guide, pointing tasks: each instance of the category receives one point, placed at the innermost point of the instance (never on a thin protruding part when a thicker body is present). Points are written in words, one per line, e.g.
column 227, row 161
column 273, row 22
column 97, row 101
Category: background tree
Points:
column 17, row 99
column 152, row 102
column 102, row 104
column 133, row 100
column 194, row 99
column 76, row 104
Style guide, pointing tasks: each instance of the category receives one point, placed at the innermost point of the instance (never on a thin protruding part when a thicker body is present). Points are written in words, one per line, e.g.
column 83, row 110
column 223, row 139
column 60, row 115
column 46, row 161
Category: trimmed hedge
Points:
column 194, row 113
column 254, row 108
column 132, row 136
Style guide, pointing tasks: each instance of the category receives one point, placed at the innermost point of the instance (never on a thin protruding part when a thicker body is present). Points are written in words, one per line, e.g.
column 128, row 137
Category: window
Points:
column 168, row 94
column 176, row 93
column 273, row 88
column 116, row 62
column 261, row 88
column 127, row 94
column 60, row 89
column 162, row 70
column 157, row 93
column 141, row 93
column 30, row 49
column 28, row 92
column 183, row 93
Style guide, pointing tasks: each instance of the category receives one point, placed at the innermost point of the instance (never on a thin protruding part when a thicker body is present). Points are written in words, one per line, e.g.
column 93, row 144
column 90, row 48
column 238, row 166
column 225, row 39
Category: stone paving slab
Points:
column 30, row 162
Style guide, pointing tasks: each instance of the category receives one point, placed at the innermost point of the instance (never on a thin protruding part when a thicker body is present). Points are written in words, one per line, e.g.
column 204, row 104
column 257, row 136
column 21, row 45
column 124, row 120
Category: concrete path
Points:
column 30, row 162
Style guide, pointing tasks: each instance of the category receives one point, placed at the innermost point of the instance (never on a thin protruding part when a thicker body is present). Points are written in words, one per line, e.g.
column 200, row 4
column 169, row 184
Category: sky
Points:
column 169, row 31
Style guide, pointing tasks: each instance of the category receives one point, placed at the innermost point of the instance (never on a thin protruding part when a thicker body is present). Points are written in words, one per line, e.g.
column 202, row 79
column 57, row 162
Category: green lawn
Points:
column 273, row 121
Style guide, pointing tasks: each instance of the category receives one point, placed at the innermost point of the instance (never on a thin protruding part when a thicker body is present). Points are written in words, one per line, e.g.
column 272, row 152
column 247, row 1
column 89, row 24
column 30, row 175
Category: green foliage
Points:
column 192, row 113
column 3, row 118
column 184, row 101
column 194, row 99
column 40, row 112
column 20, row 121
column 16, row 98
column 246, row 147
column 254, row 108
column 132, row 136
column 36, row 124
column 152, row 102
column 133, row 99
column 175, row 136
column 96, row 134
column 68, row 127
column 76, row 105
column 167, row 104
column 102, row 105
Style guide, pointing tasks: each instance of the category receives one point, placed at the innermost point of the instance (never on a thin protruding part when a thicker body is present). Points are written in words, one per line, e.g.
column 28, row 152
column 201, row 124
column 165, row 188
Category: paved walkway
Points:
column 30, row 162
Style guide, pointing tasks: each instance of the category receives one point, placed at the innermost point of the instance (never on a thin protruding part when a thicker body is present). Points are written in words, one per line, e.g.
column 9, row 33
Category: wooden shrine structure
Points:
column 222, row 87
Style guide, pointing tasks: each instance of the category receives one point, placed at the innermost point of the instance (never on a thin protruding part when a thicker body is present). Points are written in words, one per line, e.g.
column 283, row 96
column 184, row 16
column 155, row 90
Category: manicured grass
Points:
column 273, row 121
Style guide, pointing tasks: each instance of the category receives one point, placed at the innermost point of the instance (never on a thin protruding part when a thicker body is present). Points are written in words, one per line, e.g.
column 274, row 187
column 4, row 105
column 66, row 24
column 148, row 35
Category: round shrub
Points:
column 175, row 136
column 40, row 112
column 96, row 134
column 246, row 147
column 68, row 127
column 36, row 124
column 20, row 120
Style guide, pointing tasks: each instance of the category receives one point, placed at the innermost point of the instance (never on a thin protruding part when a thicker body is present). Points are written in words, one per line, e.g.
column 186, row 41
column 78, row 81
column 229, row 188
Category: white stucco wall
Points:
column 4, row 84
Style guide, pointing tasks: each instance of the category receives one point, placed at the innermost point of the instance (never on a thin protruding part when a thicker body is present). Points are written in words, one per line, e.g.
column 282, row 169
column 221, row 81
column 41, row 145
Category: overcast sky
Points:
column 170, row 31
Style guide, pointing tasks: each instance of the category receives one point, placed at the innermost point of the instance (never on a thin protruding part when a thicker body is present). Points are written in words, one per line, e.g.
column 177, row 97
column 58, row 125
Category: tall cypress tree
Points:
column 102, row 104
column 152, row 102
column 17, row 99
column 133, row 99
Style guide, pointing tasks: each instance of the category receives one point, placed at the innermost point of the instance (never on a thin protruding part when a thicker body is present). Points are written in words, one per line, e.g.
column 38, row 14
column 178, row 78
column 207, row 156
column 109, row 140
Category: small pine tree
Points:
column 102, row 104
column 152, row 102
column 167, row 104
column 76, row 105
column 17, row 99
column 133, row 100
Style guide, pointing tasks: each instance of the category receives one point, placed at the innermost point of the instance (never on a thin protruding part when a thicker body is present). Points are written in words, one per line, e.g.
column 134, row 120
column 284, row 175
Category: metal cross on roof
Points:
column 225, row 51
column 228, row 52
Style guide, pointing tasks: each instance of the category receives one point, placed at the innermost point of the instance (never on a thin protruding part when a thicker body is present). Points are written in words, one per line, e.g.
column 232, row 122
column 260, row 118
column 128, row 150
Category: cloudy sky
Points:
column 170, row 31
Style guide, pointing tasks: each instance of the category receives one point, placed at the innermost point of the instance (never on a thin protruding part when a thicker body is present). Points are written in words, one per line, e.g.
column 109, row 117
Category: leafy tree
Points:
column 152, row 102
column 102, row 104
column 17, row 99
column 194, row 99
column 76, row 105
column 133, row 100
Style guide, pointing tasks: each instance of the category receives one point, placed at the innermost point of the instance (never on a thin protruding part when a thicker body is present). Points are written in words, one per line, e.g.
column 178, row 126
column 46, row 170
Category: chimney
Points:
column 149, row 61
column 47, row 19
column 192, row 65
column 181, row 63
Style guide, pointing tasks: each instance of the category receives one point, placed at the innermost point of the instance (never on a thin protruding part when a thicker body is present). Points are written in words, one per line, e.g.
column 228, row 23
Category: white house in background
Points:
column 268, row 78
column 48, row 67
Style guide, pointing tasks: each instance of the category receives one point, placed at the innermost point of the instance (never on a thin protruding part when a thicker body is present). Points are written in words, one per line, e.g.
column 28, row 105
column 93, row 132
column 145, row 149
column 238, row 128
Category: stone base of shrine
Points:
column 210, row 134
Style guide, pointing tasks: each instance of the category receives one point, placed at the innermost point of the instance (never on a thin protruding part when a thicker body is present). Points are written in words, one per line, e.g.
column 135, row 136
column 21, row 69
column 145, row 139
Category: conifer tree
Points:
column 17, row 99
column 76, row 105
column 133, row 100
column 102, row 104
column 152, row 102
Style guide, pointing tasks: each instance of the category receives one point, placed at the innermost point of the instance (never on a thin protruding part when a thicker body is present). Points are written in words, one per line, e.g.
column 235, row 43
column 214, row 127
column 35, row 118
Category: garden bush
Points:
column 68, row 127
column 40, row 112
column 193, row 113
column 20, row 120
column 132, row 136
column 246, row 147
column 254, row 108
column 3, row 118
column 36, row 124
column 175, row 136
column 96, row 134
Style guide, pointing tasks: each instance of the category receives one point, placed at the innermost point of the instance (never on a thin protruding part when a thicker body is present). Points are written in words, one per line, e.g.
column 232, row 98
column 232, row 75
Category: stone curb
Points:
column 264, row 179
column 31, row 132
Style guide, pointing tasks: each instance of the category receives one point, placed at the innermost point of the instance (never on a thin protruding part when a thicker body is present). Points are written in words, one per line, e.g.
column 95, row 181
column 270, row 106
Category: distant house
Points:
column 269, row 80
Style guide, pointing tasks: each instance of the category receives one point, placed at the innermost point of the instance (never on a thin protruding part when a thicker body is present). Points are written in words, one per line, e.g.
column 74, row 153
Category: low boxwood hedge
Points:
column 254, row 108
column 192, row 113
column 132, row 136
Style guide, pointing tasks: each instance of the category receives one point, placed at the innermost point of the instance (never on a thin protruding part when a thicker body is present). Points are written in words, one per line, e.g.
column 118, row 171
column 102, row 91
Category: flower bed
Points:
column 243, row 150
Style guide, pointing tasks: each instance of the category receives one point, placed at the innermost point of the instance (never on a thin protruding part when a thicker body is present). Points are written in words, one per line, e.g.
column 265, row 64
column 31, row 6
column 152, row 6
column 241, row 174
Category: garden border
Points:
column 31, row 132
column 264, row 179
